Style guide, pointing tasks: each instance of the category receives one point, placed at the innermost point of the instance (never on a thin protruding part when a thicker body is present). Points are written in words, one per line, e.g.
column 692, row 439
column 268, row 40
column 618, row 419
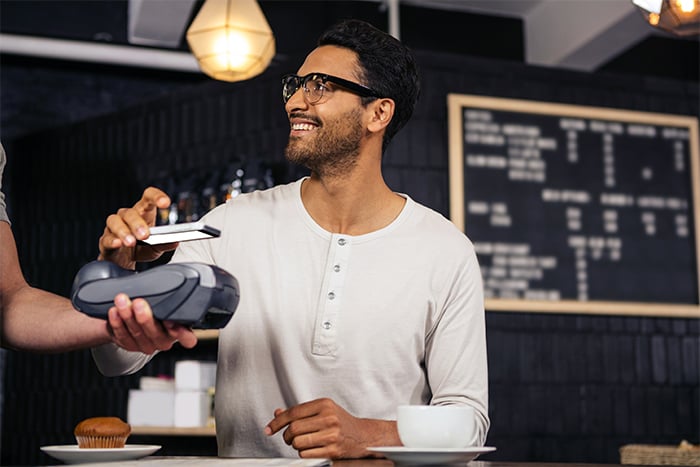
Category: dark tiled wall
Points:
column 578, row 387
column 563, row 387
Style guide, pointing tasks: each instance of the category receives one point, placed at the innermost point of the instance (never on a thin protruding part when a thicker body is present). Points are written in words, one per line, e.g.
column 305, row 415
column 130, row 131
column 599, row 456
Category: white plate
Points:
column 72, row 454
column 426, row 456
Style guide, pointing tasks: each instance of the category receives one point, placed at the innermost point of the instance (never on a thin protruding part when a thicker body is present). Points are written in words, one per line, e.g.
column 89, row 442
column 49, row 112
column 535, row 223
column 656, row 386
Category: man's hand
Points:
column 321, row 428
column 134, row 328
column 123, row 229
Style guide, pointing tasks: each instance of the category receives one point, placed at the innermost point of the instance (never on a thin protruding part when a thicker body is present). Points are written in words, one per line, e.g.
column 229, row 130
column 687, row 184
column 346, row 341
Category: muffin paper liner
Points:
column 100, row 442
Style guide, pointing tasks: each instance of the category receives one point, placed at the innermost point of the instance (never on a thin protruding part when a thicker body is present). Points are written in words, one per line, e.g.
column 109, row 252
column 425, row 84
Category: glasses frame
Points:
column 301, row 82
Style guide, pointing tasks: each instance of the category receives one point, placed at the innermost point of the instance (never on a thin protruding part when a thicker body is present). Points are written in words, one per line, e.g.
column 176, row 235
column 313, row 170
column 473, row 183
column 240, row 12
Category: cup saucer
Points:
column 427, row 456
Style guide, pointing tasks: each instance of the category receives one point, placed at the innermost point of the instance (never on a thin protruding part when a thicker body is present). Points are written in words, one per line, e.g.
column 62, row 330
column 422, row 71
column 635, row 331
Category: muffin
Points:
column 102, row 432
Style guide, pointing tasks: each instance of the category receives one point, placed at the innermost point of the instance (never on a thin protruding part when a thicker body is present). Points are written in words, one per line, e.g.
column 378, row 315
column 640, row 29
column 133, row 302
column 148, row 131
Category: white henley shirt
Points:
column 392, row 317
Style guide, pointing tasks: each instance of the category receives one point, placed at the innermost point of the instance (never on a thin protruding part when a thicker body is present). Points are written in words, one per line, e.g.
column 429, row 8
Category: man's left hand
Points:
column 321, row 428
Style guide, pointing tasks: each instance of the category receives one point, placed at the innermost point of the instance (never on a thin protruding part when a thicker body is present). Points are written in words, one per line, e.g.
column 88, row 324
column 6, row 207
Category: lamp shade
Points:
column 680, row 17
column 231, row 39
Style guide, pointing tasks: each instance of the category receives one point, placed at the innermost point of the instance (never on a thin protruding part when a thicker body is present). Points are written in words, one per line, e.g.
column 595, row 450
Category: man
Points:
column 32, row 319
column 354, row 299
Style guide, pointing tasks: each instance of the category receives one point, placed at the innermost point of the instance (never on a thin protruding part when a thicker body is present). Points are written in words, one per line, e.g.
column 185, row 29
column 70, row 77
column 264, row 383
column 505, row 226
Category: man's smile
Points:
column 303, row 126
column 300, row 125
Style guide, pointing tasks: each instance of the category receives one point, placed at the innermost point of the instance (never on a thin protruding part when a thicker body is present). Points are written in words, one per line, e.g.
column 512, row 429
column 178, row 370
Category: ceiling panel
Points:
column 584, row 35
column 47, row 83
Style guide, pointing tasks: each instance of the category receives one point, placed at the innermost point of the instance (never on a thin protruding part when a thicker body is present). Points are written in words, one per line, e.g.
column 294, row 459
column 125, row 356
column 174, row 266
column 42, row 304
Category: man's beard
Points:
column 334, row 148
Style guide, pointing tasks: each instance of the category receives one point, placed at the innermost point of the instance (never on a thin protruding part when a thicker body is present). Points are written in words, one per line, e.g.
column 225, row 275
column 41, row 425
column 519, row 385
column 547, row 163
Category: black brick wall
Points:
column 564, row 387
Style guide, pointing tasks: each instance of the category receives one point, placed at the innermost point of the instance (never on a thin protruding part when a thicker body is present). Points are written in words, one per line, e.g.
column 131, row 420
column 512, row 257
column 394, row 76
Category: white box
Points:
column 151, row 408
column 192, row 375
column 192, row 408
column 156, row 383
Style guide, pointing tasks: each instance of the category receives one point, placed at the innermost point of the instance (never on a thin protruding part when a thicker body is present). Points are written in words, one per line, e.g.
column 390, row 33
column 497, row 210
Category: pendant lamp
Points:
column 231, row 39
column 680, row 17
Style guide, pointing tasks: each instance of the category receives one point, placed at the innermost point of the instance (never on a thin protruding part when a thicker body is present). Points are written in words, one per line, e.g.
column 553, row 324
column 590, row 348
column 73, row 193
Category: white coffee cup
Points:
column 435, row 426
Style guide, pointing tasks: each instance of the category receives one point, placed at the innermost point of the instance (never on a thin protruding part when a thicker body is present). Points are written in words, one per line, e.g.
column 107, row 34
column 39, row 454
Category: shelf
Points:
column 206, row 334
column 173, row 430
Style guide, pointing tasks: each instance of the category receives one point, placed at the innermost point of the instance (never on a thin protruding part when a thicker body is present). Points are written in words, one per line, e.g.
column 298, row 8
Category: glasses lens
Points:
column 314, row 85
column 290, row 85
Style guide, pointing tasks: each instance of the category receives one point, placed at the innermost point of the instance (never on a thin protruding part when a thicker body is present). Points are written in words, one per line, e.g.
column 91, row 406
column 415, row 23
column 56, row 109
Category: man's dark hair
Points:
column 387, row 67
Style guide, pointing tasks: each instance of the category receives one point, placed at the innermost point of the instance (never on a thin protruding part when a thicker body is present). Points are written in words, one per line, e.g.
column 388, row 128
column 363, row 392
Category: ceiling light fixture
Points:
column 680, row 17
column 231, row 39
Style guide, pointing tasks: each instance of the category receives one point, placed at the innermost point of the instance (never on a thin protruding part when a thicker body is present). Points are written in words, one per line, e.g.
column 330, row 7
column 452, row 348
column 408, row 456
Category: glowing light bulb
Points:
column 231, row 50
column 231, row 39
column 686, row 6
column 653, row 19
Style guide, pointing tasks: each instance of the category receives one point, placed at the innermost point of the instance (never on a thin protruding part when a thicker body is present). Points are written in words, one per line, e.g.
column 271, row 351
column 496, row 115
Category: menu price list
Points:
column 573, row 208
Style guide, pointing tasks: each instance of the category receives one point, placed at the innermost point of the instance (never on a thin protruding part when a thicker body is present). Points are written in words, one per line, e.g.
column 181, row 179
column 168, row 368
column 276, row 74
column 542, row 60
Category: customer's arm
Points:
column 36, row 320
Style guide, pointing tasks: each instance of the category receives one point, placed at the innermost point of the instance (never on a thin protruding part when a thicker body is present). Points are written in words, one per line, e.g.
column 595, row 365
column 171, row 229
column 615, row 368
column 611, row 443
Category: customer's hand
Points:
column 133, row 327
column 321, row 428
column 118, row 243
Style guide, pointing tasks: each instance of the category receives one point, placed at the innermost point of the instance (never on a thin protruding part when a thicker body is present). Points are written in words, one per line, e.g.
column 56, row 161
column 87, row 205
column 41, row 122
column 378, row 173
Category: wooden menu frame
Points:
column 457, row 103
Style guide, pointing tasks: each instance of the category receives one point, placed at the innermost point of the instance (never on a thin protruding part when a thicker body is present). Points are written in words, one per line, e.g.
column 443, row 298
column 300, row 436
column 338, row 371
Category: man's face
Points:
column 326, row 136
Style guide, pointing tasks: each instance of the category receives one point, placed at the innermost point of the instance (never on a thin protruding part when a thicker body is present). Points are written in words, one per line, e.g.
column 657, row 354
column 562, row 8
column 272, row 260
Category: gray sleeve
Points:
column 112, row 360
column 3, row 206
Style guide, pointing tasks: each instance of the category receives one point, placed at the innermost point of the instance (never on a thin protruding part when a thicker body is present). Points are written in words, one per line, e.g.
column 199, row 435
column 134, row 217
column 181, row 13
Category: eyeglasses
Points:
column 314, row 85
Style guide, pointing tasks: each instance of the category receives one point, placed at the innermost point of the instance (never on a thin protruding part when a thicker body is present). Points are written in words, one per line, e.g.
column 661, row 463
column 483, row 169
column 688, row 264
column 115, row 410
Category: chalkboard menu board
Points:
column 578, row 209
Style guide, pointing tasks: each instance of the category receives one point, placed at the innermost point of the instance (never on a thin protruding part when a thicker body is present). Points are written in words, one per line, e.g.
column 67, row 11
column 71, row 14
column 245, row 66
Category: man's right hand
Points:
column 118, row 243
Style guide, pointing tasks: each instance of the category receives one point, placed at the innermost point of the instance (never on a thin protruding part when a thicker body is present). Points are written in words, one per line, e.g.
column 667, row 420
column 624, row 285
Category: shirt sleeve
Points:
column 112, row 360
column 204, row 251
column 456, row 359
column 3, row 206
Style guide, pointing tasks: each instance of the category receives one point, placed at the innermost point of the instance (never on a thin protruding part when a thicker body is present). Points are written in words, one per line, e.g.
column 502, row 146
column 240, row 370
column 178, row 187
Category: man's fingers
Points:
column 321, row 451
column 277, row 423
column 128, row 314
column 137, row 225
column 152, row 198
column 163, row 247
column 285, row 417
column 122, row 231
column 108, row 242
column 304, row 433
column 125, row 312
column 146, row 209
column 131, row 224
column 116, row 227
column 144, row 317
column 134, row 327
column 156, row 334
column 180, row 333
column 119, row 332
column 304, row 441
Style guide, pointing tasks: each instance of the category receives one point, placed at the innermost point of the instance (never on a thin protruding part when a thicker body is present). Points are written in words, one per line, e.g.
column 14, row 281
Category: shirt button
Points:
column 331, row 295
column 326, row 325
column 336, row 268
column 341, row 241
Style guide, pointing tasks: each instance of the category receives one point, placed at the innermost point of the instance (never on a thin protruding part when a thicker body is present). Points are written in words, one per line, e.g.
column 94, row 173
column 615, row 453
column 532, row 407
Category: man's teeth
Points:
column 303, row 126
